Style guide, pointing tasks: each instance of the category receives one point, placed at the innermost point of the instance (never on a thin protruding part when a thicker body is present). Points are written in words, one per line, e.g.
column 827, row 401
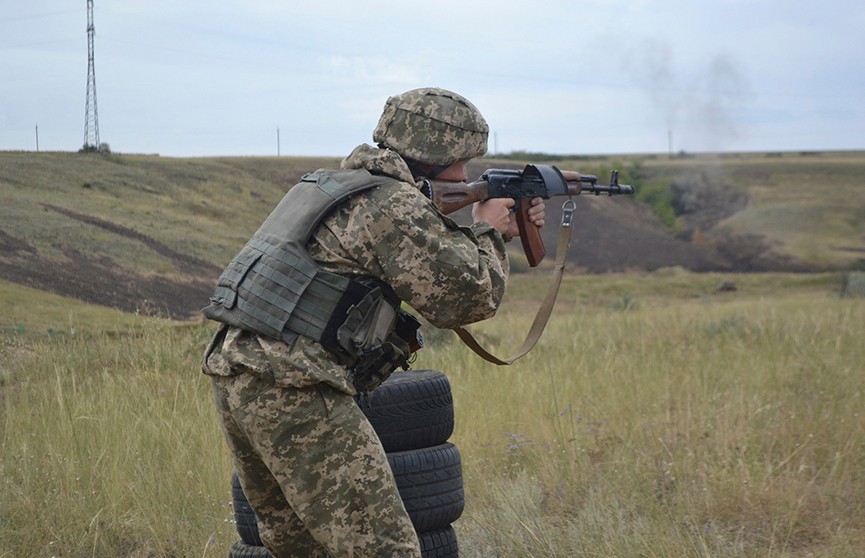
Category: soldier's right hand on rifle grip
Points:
column 496, row 212
column 533, row 215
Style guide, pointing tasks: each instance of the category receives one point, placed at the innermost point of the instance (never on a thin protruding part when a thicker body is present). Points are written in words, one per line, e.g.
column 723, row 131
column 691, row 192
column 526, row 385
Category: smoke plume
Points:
column 701, row 103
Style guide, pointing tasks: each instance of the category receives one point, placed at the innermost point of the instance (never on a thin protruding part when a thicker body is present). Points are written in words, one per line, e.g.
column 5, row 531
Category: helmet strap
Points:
column 436, row 170
column 425, row 170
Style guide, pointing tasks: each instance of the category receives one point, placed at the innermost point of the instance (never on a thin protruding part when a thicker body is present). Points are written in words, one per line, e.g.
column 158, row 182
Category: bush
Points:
column 89, row 148
column 660, row 199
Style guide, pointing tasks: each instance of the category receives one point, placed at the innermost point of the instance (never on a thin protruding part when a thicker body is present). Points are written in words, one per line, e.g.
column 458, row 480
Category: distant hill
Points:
column 150, row 234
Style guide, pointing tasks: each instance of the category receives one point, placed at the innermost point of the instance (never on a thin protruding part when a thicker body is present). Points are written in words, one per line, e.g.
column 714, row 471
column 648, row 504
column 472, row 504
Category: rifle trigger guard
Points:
column 568, row 212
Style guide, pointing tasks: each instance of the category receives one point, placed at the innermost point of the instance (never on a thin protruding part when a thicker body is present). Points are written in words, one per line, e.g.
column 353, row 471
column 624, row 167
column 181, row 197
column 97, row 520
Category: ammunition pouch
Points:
column 381, row 337
column 376, row 364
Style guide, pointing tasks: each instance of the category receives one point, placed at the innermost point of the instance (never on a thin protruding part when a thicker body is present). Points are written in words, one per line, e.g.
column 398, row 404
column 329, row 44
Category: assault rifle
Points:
column 534, row 181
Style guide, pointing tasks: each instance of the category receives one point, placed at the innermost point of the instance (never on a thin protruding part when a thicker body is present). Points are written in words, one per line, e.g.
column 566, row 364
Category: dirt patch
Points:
column 12, row 245
column 179, row 260
column 615, row 234
column 99, row 280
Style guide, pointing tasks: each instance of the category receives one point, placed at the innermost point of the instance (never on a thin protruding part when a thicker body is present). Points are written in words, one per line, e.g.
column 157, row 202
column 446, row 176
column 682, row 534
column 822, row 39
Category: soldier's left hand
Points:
column 537, row 212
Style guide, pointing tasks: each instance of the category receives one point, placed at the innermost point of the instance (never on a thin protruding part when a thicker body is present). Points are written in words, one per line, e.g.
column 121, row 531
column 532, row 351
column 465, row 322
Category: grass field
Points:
column 656, row 418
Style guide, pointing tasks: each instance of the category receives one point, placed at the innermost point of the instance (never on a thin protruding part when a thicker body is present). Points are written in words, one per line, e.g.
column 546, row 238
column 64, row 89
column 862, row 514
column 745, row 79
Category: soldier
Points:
column 310, row 315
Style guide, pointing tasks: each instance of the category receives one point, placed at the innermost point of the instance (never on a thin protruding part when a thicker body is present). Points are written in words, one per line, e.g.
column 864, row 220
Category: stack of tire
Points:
column 413, row 415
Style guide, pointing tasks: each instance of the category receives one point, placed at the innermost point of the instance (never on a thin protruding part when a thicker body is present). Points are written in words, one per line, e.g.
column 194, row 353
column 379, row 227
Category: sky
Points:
column 267, row 77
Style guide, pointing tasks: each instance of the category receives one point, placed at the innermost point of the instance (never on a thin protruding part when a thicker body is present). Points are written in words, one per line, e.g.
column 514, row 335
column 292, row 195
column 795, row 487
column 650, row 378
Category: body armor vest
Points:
column 273, row 287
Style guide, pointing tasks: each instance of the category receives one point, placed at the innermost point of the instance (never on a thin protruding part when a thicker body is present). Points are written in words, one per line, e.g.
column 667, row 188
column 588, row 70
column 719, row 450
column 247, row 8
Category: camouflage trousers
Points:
column 312, row 468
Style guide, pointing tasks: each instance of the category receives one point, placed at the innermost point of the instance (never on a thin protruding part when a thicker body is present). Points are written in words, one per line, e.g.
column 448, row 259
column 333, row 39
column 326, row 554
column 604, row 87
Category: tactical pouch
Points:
column 369, row 332
column 376, row 364
column 367, row 323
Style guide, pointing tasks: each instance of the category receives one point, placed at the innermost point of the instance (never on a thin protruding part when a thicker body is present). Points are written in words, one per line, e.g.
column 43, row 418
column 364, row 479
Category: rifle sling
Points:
column 544, row 311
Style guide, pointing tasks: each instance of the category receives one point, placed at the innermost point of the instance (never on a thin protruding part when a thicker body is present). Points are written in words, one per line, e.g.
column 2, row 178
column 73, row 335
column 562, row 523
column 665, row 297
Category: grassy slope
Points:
column 201, row 207
column 811, row 206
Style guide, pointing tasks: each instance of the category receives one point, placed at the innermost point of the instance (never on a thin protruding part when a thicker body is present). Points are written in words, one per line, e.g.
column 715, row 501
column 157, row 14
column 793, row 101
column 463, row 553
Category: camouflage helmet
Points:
column 433, row 126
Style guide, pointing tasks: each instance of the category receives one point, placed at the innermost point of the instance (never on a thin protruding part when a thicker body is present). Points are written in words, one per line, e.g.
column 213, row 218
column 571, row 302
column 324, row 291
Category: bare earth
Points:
column 101, row 281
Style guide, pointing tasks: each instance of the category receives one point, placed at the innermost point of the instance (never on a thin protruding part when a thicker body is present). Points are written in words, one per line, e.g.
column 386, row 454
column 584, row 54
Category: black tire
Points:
column 242, row 550
column 411, row 410
column 434, row 544
column 244, row 516
column 439, row 544
column 430, row 484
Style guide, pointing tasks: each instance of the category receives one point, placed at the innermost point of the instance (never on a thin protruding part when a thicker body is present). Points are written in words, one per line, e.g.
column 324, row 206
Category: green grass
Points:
column 110, row 447
column 686, row 426
column 656, row 417
column 33, row 313
column 686, row 422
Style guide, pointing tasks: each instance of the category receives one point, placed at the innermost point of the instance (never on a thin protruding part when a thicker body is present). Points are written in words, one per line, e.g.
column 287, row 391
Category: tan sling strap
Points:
column 549, row 301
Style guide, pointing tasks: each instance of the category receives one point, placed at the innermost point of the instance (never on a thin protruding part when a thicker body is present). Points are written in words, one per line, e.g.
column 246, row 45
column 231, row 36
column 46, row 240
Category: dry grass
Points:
column 684, row 423
column 714, row 426
column 657, row 417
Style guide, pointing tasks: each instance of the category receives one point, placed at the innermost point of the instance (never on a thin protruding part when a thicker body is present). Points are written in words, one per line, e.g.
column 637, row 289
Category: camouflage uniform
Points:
column 310, row 463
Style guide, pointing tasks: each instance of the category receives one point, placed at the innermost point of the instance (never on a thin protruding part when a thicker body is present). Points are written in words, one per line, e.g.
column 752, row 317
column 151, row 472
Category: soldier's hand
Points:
column 537, row 211
column 496, row 212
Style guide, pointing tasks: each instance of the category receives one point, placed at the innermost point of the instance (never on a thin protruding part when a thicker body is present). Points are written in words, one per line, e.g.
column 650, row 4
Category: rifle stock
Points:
column 451, row 196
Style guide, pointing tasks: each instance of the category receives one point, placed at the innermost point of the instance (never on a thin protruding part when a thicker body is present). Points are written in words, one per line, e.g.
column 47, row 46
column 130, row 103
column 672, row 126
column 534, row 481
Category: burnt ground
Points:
column 615, row 235
column 610, row 235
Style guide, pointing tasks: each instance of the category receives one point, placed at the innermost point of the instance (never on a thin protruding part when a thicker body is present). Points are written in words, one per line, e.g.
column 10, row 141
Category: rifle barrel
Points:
column 609, row 189
column 589, row 183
